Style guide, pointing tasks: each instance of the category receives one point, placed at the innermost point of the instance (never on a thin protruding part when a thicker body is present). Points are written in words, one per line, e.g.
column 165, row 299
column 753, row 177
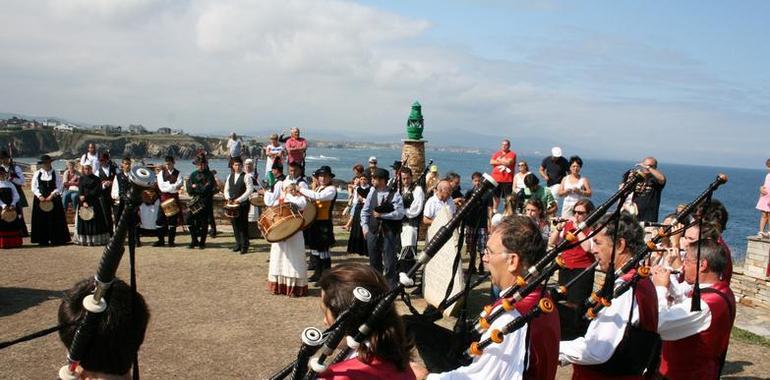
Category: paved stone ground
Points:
column 211, row 317
column 754, row 320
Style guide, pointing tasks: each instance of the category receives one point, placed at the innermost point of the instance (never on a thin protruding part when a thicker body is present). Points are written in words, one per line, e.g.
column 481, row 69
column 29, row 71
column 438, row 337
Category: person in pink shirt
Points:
column 296, row 148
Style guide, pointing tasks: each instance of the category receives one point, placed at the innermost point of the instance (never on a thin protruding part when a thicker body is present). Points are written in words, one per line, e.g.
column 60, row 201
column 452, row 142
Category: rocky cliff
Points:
column 30, row 143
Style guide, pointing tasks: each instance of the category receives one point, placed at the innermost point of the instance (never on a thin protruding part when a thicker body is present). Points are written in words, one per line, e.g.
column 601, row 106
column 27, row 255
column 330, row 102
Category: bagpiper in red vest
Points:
column 701, row 356
column 638, row 348
column 543, row 335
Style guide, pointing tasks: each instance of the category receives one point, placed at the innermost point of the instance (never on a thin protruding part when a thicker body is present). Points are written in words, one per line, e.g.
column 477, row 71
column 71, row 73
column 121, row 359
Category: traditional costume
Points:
column 238, row 188
column 10, row 236
column 16, row 177
column 48, row 227
column 381, row 232
column 95, row 231
column 695, row 343
column 288, row 268
column 356, row 240
column 377, row 369
column 202, row 188
column 414, row 200
column 621, row 341
column 321, row 232
column 169, row 183
column 576, row 260
column 119, row 194
column 531, row 352
column 106, row 173
column 148, row 211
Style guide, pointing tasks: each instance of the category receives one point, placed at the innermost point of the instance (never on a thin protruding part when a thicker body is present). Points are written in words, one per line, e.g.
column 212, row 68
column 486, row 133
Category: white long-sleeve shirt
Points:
column 246, row 180
column 169, row 187
column 603, row 335
column 14, row 194
column 675, row 320
column 499, row 361
column 274, row 198
column 148, row 215
column 415, row 208
column 46, row 176
column 328, row 193
column 92, row 159
column 115, row 190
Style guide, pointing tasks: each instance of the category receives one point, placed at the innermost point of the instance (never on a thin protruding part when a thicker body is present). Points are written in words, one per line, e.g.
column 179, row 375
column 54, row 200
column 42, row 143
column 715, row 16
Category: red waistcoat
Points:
column 701, row 356
column 544, row 334
column 647, row 303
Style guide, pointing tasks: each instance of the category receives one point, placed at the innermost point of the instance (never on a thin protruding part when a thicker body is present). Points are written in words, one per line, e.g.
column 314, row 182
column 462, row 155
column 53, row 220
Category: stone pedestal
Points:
column 413, row 156
column 750, row 283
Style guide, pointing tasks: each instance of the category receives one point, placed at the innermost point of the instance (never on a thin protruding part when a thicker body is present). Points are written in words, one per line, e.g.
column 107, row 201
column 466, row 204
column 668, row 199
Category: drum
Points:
column 257, row 200
column 195, row 206
column 308, row 214
column 8, row 214
column 46, row 206
column 170, row 207
column 278, row 223
column 86, row 213
column 232, row 211
column 142, row 176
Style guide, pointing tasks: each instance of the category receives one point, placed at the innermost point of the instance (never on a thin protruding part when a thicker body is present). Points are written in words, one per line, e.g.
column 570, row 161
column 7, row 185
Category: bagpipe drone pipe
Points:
column 354, row 329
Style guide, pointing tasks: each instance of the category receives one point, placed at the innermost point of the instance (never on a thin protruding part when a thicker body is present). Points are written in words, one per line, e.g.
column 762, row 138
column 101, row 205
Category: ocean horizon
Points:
column 684, row 182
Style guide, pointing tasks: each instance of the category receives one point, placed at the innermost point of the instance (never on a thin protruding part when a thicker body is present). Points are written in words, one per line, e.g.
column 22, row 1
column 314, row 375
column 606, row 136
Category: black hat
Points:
column 324, row 170
column 381, row 173
column 238, row 160
column 277, row 165
column 169, row 159
column 396, row 165
column 44, row 158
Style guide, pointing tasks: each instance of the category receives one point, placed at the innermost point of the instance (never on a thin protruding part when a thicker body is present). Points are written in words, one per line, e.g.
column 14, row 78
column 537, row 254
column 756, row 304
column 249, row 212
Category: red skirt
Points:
column 10, row 239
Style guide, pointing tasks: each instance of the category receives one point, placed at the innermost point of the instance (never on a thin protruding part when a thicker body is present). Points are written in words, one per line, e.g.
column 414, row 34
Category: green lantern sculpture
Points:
column 415, row 124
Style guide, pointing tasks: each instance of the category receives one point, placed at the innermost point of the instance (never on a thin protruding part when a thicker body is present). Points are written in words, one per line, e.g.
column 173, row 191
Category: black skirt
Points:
column 49, row 227
column 321, row 235
column 356, row 241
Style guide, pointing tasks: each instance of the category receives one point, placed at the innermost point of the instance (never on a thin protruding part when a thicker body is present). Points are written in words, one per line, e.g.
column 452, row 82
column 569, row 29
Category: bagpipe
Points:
column 603, row 298
column 356, row 326
column 96, row 303
column 599, row 300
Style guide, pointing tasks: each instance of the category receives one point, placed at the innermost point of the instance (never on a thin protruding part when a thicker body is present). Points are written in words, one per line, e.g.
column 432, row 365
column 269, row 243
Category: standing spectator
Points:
column 234, row 146
column 431, row 181
column 439, row 200
column 457, row 193
column 518, row 179
column 372, row 165
column 71, row 179
column 296, row 147
column 503, row 162
column 647, row 193
column 573, row 187
column 91, row 157
column 763, row 205
column 274, row 153
column 553, row 169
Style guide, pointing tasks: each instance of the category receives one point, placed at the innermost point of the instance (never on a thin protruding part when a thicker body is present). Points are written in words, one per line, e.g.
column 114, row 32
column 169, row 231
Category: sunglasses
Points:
column 580, row 212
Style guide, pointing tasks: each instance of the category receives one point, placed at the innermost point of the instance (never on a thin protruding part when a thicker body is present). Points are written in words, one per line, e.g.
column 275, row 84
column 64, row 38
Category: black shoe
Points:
column 158, row 243
column 171, row 244
column 318, row 269
column 213, row 234
column 313, row 262
column 244, row 251
column 201, row 245
column 236, row 248
column 192, row 244
column 138, row 244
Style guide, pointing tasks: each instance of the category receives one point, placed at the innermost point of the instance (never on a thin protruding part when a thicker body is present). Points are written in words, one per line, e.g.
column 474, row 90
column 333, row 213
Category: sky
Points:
column 685, row 81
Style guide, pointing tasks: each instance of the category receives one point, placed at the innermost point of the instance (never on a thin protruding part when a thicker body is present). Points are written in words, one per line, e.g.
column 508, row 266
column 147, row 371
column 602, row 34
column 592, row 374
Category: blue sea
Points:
column 685, row 182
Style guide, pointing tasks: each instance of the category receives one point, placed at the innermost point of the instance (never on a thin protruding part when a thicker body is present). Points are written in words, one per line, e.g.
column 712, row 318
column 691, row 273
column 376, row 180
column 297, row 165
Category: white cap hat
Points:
column 248, row 161
column 372, row 159
column 556, row 151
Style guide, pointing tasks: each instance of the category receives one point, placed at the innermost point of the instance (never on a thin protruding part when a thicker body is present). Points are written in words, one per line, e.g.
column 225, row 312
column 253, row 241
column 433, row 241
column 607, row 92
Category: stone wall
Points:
column 750, row 282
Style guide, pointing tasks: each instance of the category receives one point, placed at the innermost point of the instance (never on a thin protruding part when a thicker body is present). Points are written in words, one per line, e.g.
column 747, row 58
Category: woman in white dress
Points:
column 518, row 179
column 288, row 268
column 574, row 187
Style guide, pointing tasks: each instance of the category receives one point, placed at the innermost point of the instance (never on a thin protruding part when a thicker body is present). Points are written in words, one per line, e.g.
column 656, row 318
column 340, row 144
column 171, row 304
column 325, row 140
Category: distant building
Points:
column 107, row 129
column 64, row 128
column 136, row 129
column 51, row 123
column 177, row 132
column 164, row 131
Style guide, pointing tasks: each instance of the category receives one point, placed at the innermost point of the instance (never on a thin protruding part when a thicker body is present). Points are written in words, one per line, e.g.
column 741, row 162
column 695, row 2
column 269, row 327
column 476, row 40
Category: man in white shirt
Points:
column 380, row 221
column 438, row 201
column 234, row 145
column 606, row 350
column 695, row 342
column 238, row 187
column 531, row 351
column 170, row 181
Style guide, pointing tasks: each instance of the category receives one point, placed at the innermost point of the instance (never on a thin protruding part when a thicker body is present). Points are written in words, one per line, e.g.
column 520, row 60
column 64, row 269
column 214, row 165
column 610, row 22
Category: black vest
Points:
column 236, row 188
column 123, row 185
column 46, row 187
column 170, row 178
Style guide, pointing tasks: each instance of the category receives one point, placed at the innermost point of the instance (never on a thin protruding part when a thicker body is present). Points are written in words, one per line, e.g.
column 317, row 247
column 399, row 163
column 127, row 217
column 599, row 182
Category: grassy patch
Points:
column 749, row 337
